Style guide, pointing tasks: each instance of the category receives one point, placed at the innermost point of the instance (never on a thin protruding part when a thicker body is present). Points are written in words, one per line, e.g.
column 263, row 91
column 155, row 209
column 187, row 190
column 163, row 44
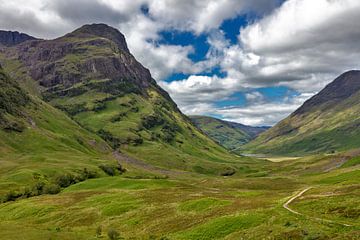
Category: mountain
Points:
column 9, row 38
column 39, row 143
column 231, row 135
column 327, row 122
column 91, row 76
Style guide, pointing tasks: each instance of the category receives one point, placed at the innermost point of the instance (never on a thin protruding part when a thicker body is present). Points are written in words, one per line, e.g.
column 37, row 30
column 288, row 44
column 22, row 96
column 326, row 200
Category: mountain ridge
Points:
column 12, row 38
column 229, row 134
column 327, row 122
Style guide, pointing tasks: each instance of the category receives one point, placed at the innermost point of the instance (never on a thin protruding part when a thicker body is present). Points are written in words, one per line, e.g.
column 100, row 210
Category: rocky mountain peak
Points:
column 9, row 38
column 101, row 30
column 341, row 88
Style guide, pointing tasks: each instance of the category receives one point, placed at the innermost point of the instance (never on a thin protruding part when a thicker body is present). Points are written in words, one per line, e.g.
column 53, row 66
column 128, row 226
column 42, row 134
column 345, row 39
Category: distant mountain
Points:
column 9, row 38
column 327, row 122
column 229, row 134
column 91, row 75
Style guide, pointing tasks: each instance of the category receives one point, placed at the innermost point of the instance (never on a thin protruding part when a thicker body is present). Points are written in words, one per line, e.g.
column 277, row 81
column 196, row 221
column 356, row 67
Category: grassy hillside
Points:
column 228, row 134
column 90, row 75
column 199, row 207
column 328, row 122
column 39, row 143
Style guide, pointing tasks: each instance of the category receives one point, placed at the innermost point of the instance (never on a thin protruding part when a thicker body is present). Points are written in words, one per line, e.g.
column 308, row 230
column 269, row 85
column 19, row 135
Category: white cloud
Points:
column 303, row 41
column 259, row 112
column 303, row 44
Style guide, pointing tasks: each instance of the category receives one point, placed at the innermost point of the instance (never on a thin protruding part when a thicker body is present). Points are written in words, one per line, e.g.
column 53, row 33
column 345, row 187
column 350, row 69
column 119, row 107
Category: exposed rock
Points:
column 9, row 38
column 101, row 30
column 91, row 52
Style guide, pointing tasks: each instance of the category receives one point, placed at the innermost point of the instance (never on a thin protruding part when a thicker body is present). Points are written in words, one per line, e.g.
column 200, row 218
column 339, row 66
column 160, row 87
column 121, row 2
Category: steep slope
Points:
column 231, row 135
column 91, row 75
column 328, row 122
column 39, row 143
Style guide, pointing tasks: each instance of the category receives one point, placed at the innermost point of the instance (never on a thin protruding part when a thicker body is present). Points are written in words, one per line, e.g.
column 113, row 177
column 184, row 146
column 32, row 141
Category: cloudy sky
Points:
column 249, row 61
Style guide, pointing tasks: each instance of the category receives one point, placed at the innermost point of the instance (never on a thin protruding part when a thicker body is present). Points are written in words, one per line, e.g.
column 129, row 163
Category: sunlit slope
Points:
column 327, row 122
column 38, row 141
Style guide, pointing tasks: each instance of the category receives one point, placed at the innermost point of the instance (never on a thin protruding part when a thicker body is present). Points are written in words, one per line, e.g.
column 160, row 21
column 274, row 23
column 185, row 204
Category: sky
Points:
column 247, row 61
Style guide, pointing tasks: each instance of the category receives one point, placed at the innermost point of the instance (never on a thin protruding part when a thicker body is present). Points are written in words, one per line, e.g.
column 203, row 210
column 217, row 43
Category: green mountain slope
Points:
column 327, row 122
column 91, row 75
column 39, row 142
column 228, row 134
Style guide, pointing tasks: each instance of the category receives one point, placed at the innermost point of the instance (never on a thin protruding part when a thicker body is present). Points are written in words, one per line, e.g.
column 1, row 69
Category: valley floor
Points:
column 194, row 207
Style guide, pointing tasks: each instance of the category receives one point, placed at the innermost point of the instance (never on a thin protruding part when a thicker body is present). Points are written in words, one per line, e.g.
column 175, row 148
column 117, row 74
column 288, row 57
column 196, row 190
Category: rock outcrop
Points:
column 9, row 38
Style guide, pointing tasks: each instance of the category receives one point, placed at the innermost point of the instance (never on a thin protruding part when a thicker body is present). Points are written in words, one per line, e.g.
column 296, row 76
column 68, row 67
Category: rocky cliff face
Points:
column 91, row 52
column 9, row 38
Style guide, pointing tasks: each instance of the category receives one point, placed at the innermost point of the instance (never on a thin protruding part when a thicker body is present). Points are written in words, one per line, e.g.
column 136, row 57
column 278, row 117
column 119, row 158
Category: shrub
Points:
column 109, row 138
column 228, row 172
column 151, row 121
column 113, row 234
column 73, row 109
column 98, row 231
column 52, row 189
column 99, row 106
column 65, row 180
column 86, row 174
column 12, row 196
column 109, row 170
column 14, row 126
column 112, row 170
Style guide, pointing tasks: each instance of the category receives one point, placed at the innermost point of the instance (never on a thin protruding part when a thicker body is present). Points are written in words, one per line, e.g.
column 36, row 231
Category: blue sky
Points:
column 248, row 61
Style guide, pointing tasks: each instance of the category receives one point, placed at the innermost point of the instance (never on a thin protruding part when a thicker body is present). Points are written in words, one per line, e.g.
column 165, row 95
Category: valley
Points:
column 91, row 147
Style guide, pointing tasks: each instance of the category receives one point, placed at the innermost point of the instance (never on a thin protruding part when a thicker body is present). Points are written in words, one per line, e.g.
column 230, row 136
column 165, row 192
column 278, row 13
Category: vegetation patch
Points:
column 352, row 162
column 221, row 227
column 202, row 205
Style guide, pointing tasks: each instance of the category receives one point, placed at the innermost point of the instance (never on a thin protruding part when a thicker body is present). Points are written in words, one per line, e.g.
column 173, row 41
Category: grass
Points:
column 201, row 205
column 221, row 227
column 352, row 162
column 119, row 183
column 190, row 207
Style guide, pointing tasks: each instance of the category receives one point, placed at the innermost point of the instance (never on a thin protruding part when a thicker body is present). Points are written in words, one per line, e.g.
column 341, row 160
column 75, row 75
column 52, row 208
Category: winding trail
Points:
column 287, row 207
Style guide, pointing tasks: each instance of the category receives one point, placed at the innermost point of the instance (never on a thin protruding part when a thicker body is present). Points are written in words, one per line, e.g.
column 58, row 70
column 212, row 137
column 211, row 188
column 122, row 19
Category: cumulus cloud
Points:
column 303, row 44
column 260, row 112
column 303, row 41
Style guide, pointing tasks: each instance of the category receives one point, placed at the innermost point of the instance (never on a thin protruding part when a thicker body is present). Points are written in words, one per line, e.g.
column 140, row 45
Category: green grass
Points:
column 352, row 162
column 221, row 227
column 348, row 177
column 119, row 183
column 190, row 207
column 201, row 205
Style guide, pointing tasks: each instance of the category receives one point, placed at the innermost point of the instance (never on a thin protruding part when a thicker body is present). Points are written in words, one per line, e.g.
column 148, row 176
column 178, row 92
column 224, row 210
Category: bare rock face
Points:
column 9, row 38
column 92, row 52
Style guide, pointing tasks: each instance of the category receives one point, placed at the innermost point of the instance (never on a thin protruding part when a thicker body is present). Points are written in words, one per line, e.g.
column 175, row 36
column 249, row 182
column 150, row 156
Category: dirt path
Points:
column 287, row 207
